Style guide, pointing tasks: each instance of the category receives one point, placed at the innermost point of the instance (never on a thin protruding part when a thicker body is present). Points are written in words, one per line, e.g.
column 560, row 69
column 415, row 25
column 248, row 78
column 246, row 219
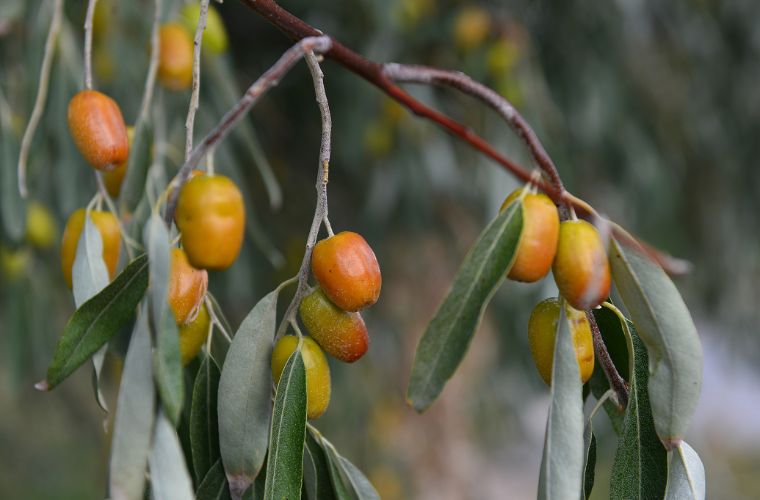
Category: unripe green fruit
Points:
column 342, row 334
column 580, row 268
column 542, row 331
column 215, row 34
column 317, row 371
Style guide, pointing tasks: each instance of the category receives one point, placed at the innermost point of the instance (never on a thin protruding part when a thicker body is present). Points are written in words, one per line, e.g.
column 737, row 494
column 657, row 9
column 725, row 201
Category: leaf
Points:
column 666, row 328
column 640, row 466
column 138, row 163
column 204, row 427
column 316, row 473
column 97, row 320
column 219, row 343
column 686, row 478
column 12, row 206
column 285, row 465
column 245, row 389
column 562, row 463
column 169, row 478
column 347, row 480
column 448, row 335
column 167, row 363
column 589, row 468
column 214, row 484
column 135, row 412
column 361, row 485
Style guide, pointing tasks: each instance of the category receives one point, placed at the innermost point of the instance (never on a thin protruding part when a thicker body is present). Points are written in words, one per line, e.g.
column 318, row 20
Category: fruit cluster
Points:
column 349, row 279
column 576, row 254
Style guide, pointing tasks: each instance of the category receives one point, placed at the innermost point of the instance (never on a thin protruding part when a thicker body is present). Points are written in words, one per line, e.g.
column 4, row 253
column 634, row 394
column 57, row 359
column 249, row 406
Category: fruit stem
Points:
column 617, row 383
column 194, row 97
column 88, row 44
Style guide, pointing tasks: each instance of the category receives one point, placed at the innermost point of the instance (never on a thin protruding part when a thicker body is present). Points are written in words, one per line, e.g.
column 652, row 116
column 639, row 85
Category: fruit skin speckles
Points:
column 97, row 127
column 343, row 335
column 317, row 371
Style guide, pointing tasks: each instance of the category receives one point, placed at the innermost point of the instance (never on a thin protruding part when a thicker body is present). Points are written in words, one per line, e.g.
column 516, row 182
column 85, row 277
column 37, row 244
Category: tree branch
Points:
column 617, row 383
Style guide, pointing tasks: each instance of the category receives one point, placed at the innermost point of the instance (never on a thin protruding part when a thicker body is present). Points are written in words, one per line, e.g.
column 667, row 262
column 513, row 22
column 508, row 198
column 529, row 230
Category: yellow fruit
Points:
column 215, row 34
column 580, row 268
column 471, row 27
column 108, row 227
column 115, row 177
column 542, row 331
column 193, row 335
column 41, row 230
column 13, row 263
column 175, row 59
column 317, row 371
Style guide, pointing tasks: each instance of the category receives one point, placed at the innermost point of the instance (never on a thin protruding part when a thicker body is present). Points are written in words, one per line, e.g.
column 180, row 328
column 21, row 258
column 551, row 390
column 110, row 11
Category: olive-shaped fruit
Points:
column 538, row 242
column 114, row 178
column 215, row 34
column 187, row 287
column 347, row 270
column 193, row 335
column 107, row 226
column 542, row 331
column 97, row 127
column 211, row 217
column 175, row 58
column 317, row 371
column 341, row 334
column 580, row 268
column 41, row 230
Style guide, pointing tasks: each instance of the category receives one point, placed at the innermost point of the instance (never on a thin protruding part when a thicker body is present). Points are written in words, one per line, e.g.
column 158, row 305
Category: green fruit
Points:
column 215, row 34
column 317, row 371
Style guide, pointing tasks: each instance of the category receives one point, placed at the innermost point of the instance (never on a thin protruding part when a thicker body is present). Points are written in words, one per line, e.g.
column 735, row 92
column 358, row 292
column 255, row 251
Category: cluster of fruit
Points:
column 575, row 252
column 349, row 280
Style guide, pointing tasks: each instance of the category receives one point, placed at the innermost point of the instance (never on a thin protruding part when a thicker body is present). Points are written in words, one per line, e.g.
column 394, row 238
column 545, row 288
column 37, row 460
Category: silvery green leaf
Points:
column 169, row 478
column 686, row 477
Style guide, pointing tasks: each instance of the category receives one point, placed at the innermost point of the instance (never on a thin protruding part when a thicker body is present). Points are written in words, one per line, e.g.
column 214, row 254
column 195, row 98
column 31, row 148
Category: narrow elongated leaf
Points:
column 589, row 469
column 135, row 412
column 640, row 466
column 97, row 320
column 359, row 482
column 316, row 473
column 169, row 478
column 244, row 401
column 138, row 163
column 562, row 463
column 347, row 480
column 286, row 443
column 686, row 478
column 447, row 337
column 204, row 427
column 668, row 332
column 214, row 484
column 12, row 206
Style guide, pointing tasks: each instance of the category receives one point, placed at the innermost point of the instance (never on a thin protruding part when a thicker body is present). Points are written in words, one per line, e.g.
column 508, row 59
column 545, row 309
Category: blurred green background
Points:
column 650, row 109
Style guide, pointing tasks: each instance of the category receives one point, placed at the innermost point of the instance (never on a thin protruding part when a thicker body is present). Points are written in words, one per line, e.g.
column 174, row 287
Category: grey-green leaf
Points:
column 135, row 412
column 245, row 389
column 447, row 337
column 562, row 463
column 668, row 332
column 12, row 206
column 686, row 478
column 214, row 484
column 138, row 163
column 169, row 478
column 204, row 427
column 286, row 439
column 348, row 481
column 316, row 473
column 97, row 320
column 589, row 468
column 359, row 482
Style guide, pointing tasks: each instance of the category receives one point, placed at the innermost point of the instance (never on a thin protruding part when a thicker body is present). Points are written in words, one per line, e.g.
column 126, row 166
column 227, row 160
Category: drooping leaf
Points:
column 214, row 484
column 668, row 332
column 359, row 482
column 169, row 477
column 286, row 442
column 135, row 412
column 686, row 478
column 12, row 206
column 97, row 320
column 244, row 401
column 447, row 337
column 348, row 482
column 640, row 466
column 204, row 428
column 133, row 186
column 316, row 473
column 563, row 460
column 589, row 469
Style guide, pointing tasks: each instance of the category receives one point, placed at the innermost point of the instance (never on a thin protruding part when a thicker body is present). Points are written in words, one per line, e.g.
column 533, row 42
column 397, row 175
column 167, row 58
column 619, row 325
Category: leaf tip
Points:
column 42, row 386
column 238, row 485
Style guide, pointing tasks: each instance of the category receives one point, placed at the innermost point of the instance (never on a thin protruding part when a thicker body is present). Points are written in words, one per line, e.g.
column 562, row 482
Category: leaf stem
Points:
column 193, row 107
column 88, row 43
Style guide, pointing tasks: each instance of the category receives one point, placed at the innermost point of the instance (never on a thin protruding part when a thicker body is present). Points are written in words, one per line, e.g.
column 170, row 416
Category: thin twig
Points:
column 320, row 212
column 88, row 43
column 617, row 383
column 129, row 243
column 269, row 79
column 42, row 91
column 197, row 43
column 150, row 79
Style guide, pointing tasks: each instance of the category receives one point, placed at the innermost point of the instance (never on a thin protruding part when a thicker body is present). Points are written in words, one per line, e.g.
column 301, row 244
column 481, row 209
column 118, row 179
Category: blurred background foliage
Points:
column 650, row 109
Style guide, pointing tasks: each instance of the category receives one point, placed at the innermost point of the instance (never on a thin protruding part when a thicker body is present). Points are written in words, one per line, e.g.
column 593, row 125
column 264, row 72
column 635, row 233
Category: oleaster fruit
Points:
column 215, row 34
column 41, row 230
column 187, row 288
column 211, row 217
column 175, row 58
column 542, row 332
column 193, row 335
column 581, row 269
column 114, row 178
column 317, row 371
column 347, row 270
column 538, row 241
column 108, row 227
column 341, row 334
column 97, row 127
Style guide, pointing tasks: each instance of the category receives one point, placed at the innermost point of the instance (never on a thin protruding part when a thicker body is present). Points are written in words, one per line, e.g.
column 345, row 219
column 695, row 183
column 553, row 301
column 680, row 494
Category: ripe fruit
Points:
column 580, row 268
column 107, row 226
column 40, row 226
column 215, row 34
column 193, row 335
column 187, row 288
column 211, row 217
column 341, row 334
column 175, row 59
column 115, row 177
column 98, row 129
column 317, row 371
column 538, row 242
column 542, row 331
column 347, row 270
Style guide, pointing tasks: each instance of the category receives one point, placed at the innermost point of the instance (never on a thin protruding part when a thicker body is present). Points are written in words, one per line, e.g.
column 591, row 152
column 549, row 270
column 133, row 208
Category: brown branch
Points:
column 617, row 383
